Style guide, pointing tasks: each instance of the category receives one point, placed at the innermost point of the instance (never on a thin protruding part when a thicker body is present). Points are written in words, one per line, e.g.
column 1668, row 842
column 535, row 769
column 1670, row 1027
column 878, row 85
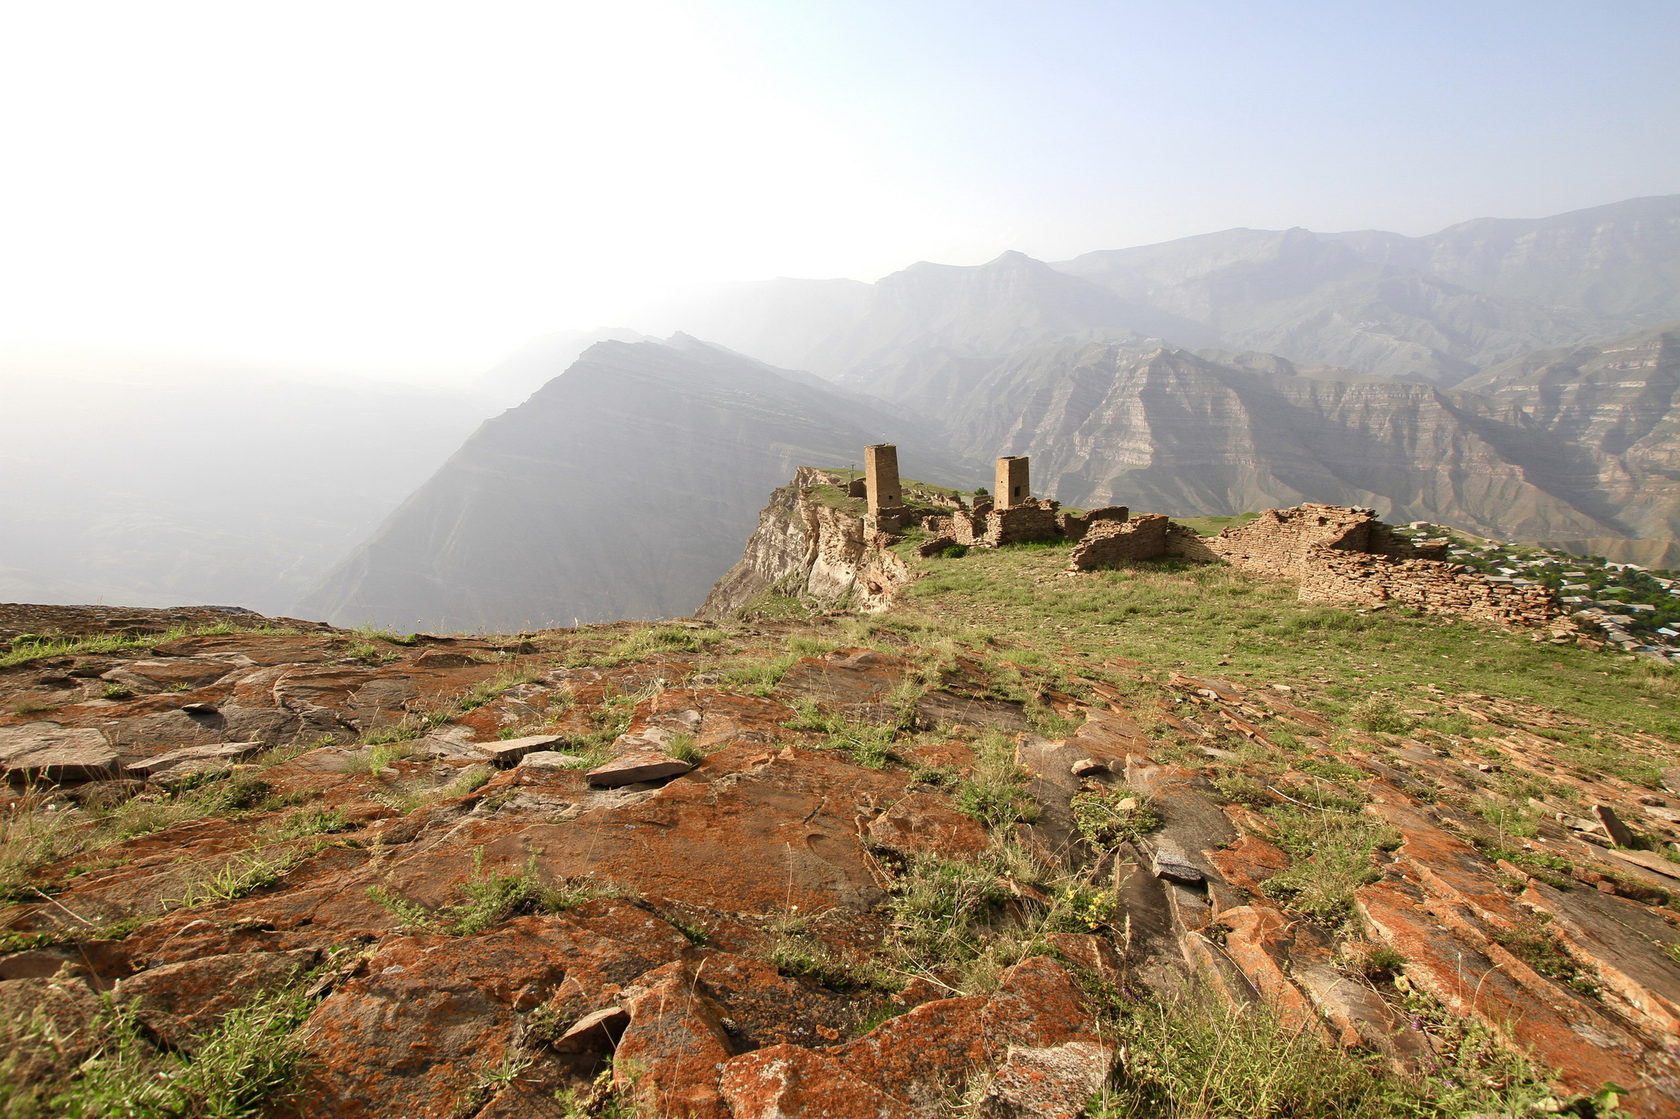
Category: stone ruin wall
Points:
column 1340, row 578
column 1337, row 556
column 1148, row 536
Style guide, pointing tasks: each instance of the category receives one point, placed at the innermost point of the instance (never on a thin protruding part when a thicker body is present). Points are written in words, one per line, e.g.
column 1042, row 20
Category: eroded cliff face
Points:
column 809, row 544
column 1175, row 432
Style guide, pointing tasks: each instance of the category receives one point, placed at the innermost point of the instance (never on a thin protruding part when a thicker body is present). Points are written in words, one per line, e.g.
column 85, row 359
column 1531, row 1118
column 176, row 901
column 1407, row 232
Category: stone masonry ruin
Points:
column 1336, row 555
column 1011, row 486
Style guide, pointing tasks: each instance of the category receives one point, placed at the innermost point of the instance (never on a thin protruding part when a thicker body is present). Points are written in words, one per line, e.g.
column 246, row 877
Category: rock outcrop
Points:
column 812, row 540
column 975, row 859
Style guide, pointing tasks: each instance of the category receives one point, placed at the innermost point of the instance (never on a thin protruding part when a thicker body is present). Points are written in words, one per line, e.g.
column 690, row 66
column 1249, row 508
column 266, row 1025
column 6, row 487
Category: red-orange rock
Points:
column 927, row 824
column 670, row 1054
column 786, row 1080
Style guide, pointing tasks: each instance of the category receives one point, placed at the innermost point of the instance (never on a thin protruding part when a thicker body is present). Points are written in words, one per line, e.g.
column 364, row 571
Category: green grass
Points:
column 236, row 1071
column 1212, row 620
column 33, row 835
column 1109, row 817
column 1213, row 526
column 1333, row 853
column 645, row 643
column 1199, row 1057
column 234, row 879
column 758, row 676
column 489, row 898
column 381, row 755
column 30, row 647
column 489, row 690
column 994, row 790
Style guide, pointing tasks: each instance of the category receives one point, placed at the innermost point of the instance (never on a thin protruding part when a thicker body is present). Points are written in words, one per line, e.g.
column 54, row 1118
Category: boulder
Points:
column 181, row 1003
column 786, row 1080
column 923, row 822
column 669, row 1056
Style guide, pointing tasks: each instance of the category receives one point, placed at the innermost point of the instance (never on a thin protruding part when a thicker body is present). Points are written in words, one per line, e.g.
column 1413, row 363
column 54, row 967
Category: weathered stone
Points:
column 48, row 1026
column 549, row 759
column 181, row 1003
column 1048, row 1083
column 596, row 1032
column 50, row 752
column 936, row 1046
column 1650, row 860
column 509, row 751
column 412, row 1033
column 1612, row 825
column 670, row 1054
column 635, row 767
column 922, row 822
column 781, row 1081
column 196, row 758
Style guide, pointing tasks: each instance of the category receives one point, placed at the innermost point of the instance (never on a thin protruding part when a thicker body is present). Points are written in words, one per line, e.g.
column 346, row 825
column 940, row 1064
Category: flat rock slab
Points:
column 596, row 1032
column 635, row 766
column 194, row 759
column 509, row 751
column 549, row 759
column 50, row 752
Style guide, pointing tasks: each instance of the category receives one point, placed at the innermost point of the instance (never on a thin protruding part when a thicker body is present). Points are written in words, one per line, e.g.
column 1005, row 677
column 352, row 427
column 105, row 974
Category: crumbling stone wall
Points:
column 1110, row 542
column 1278, row 541
column 1149, row 536
column 1342, row 578
column 1074, row 526
column 991, row 527
column 1338, row 556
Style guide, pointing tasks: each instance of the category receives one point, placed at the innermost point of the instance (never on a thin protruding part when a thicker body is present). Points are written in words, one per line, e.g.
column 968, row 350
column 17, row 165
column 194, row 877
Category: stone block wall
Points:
column 1107, row 543
column 1342, row 578
column 1035, row 519
column 1277, row 542
column 1337, row 556
column 1074, row 526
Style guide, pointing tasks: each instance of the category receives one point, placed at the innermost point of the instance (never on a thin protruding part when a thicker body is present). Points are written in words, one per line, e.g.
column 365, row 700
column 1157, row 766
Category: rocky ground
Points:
column 813, row 865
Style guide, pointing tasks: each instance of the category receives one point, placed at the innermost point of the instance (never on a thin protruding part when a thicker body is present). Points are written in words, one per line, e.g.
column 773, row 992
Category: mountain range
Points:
column 1513, row 378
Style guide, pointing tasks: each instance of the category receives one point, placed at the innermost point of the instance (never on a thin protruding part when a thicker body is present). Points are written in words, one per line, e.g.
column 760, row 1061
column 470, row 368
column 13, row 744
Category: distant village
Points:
column 1638, row 609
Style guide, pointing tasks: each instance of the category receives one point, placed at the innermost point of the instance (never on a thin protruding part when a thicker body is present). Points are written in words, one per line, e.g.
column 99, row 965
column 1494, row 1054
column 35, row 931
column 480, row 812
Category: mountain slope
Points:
column 1615, row 407
column 1173, row 432
column 623, row 488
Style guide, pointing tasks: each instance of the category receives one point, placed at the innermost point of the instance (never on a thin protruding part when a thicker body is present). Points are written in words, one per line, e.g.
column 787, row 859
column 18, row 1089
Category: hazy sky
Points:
column 412, row 184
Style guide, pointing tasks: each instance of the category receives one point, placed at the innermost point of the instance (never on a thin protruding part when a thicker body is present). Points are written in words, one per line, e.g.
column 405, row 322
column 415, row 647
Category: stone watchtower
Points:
column 1010, row 487
column 880, row 471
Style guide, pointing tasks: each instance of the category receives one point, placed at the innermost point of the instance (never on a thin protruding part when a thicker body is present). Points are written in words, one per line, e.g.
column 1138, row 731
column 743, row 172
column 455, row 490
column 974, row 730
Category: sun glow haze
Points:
column 414, row 187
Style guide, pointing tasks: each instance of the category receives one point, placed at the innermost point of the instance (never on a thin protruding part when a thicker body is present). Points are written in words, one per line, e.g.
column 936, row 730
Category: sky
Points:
column 418, row 188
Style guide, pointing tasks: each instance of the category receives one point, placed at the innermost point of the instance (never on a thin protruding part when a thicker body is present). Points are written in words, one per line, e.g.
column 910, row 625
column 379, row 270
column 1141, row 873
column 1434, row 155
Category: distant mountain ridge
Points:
column 620, row 490
column 1433, row 308
column 1460, row 377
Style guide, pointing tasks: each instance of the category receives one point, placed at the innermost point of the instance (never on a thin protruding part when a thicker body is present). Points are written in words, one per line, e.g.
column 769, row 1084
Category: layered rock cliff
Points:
column 811, row 542
column 621, row 489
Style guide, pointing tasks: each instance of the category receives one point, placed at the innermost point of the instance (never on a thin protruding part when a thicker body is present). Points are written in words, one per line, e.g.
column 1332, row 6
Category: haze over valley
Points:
column 501, row 343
